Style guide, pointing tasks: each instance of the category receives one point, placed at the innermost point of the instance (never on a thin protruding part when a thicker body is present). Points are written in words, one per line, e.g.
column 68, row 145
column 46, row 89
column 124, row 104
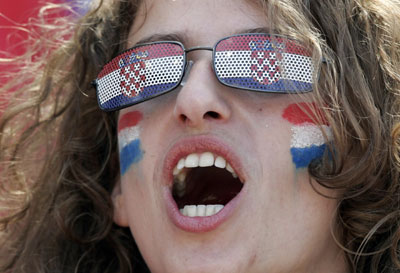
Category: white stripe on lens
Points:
column 237, row 64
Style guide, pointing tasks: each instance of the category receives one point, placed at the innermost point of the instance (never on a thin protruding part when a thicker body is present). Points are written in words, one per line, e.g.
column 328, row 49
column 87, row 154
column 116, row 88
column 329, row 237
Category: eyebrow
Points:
column 179, row 37
column 182, row 38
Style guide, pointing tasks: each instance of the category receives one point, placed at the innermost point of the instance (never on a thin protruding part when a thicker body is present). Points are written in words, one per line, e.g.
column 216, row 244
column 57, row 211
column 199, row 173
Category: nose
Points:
column 202, row 99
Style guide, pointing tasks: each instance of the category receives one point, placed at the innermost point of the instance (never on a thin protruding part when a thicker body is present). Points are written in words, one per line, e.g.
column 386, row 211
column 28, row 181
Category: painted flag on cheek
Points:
column 308, row 141
column 130, row 151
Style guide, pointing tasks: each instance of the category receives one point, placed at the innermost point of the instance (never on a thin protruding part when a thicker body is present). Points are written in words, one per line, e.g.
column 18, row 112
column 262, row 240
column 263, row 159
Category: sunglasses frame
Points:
column 185, row 62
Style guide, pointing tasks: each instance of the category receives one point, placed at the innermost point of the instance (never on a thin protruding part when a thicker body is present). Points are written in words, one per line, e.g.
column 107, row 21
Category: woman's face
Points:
column 272, row 220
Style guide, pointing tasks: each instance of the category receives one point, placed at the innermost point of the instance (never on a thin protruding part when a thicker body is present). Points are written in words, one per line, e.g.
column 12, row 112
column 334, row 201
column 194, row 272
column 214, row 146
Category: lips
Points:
column 203, row 183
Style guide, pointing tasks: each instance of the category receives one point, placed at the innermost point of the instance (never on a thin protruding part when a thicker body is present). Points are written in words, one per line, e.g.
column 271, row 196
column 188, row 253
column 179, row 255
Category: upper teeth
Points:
column 206, row 159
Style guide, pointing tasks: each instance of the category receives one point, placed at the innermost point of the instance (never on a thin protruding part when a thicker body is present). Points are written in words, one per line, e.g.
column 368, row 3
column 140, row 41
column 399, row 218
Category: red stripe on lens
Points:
column 145, row 52
column 252, row 42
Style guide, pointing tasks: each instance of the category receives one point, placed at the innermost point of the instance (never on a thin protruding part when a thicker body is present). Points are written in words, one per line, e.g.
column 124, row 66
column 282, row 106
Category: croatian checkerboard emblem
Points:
column 264, row 67
column 133, row 79
column 264, row 64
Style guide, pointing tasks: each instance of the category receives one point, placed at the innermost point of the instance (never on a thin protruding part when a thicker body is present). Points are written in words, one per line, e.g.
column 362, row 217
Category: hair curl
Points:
column 59, row 158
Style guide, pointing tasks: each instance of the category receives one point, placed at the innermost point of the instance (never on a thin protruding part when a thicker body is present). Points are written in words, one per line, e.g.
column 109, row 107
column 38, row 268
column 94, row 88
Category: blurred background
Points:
column 13, row 15
column 14, row 12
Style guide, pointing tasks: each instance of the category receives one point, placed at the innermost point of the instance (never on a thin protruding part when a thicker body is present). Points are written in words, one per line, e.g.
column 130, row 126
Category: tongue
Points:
column 206, row 186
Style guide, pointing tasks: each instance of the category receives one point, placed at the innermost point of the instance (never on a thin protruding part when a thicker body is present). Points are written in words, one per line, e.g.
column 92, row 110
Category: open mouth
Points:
column 203, row 184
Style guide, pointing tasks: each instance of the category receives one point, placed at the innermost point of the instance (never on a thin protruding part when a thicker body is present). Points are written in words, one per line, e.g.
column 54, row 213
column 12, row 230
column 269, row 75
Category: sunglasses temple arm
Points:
column 186, row 73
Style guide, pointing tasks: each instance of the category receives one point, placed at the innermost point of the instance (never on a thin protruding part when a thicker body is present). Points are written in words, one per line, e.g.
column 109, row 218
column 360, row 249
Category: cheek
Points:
column 130, row 151
column 308, row 141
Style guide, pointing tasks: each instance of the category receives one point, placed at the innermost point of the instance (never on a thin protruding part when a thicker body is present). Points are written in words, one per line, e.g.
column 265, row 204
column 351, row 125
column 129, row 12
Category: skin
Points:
column 281, row 224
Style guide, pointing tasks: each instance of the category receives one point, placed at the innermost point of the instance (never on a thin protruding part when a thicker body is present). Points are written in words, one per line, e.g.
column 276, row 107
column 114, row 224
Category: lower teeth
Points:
column 200, row 210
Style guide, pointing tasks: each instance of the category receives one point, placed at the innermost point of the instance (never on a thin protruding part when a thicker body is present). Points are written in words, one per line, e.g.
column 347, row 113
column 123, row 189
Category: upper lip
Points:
column 199, row 144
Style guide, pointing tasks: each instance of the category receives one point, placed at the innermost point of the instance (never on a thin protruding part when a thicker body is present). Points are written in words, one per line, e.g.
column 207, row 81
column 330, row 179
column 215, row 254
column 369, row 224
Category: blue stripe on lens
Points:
column 150, row 91
column 283, row 85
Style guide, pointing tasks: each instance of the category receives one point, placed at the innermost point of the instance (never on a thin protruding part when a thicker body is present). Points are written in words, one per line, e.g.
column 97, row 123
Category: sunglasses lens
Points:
column 140, row 73
column 262, row 62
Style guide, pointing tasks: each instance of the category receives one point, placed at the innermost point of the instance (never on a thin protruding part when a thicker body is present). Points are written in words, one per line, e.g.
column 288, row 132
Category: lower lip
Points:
column 200, row 224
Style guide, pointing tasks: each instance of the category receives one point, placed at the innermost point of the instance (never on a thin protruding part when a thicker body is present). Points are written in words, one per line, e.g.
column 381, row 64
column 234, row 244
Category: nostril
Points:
column 212, row 114
column 209, row 114
column 183, row 117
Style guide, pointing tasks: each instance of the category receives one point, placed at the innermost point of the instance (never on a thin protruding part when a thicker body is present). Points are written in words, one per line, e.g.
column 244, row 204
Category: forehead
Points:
column 199, row 22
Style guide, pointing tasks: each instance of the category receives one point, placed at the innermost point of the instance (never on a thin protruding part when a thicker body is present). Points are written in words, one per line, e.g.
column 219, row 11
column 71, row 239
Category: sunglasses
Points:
column 254, row 62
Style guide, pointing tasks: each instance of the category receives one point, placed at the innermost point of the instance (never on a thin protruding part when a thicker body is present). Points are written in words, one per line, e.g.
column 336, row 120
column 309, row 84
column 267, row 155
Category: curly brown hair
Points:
column 59, row 156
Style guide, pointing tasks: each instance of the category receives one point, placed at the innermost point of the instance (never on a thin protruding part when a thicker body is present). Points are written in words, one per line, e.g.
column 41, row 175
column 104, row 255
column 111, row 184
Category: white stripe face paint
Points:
column 308, row 134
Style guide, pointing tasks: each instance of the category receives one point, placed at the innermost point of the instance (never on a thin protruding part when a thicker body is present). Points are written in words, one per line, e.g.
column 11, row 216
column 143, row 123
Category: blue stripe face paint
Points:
column 130, row 151
column 303, row 157
column 129, row 155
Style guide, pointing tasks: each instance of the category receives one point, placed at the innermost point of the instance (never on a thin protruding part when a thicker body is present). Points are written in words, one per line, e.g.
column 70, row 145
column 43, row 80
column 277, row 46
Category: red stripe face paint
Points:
column 299, row 113
column 130, row 119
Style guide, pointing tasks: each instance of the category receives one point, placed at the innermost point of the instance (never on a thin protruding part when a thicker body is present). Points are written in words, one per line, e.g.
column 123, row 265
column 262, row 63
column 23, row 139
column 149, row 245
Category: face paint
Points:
column 308, row 140
column 130, row 151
